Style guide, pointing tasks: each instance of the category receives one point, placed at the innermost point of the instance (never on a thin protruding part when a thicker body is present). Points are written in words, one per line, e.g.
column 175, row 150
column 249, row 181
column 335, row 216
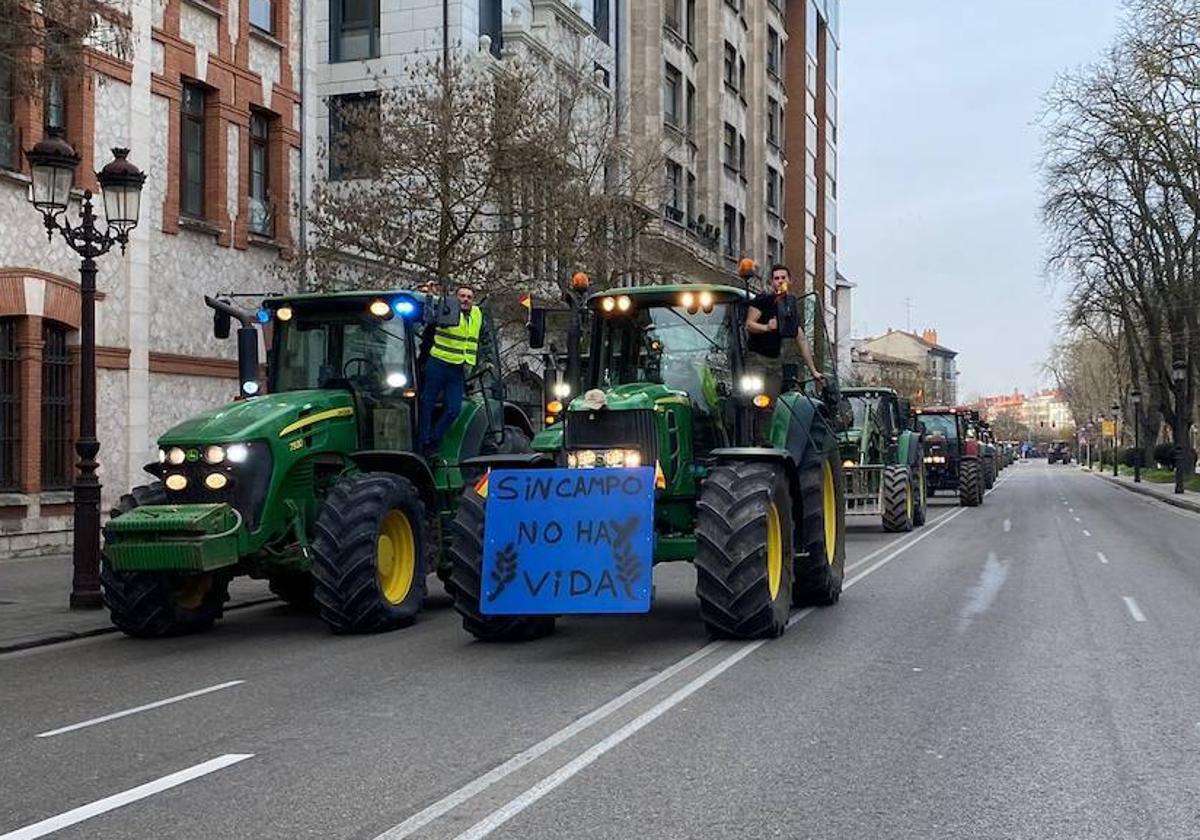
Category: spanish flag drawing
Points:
column 481, row 485
column 527, row 301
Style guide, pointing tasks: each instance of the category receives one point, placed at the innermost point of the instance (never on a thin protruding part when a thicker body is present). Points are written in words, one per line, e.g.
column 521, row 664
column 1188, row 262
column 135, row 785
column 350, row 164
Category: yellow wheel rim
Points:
column 396, row 556
column 908, row 500
column 829, row 509
column 191, row 592
column 774, row 551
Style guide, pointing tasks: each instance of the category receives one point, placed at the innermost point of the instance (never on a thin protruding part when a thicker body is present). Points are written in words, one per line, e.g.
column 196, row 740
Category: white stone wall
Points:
column 112, row 392
column 265, row 61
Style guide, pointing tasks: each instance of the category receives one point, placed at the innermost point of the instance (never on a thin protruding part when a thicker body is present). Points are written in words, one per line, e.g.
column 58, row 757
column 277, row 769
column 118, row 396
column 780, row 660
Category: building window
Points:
column 54, row 104
column 353, row 134
column 730, row 222
column 774, row 119
column 672, row 81
column 691, row 198
column 8, row 125
column 10, row 407
column 772, row 189
column 674, row 191
column 260, row 174
column 772, row 52
column 730, row 148
column 354, row 29
column 491, row 22
column 691, row 23
column 191, row 140
column 262, row 15
column 691, row 109
column 57, row 438
column 741, row 235
column 742, row 76
column 730, row 66
column 600, row 19
column 772, row 250
column 671, row 15
column 742, row 156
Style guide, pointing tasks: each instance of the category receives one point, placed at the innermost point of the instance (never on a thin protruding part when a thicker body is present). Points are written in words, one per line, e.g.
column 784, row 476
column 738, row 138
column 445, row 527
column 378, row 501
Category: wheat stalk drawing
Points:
column 504, row 571
column 629, row 568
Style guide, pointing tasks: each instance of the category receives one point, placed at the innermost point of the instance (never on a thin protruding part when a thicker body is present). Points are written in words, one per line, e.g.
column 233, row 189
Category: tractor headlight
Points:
column 214, row 454
column 216, row 481
column 176, row 456
column 614, row 458
column 762, row 400
column 284, row 313
column 238, row 453
column 562, row 390
column 608, row 304
column 633, row 458
column 687, row 300
column 176, row 482
column 752, row 384
column 624, row 303
column 585, row 458
column 848, row 464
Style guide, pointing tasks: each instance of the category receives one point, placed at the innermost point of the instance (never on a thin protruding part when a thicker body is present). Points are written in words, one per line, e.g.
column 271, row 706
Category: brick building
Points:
column 207, row 98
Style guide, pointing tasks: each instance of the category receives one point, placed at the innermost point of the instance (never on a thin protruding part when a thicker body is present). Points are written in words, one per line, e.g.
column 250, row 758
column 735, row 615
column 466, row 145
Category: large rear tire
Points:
column 989, row 473
column 970, row 482
column 147, row 605
column 899, row 499
column 821, row 563
column 744, row 550
column 921, row 486
column 369, row 555
column 466, row 580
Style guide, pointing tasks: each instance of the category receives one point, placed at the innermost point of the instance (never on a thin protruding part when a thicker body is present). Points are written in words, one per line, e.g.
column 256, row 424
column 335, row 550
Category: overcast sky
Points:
column 939, row 191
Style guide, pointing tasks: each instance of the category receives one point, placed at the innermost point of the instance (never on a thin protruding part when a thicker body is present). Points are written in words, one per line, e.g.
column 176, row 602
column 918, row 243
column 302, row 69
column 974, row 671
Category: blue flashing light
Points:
column 263, row 315
column 405, row 307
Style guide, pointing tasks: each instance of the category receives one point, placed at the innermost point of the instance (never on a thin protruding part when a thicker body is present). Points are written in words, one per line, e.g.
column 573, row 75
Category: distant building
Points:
column 936, row 363
column 1045, row 414
column 868, row 368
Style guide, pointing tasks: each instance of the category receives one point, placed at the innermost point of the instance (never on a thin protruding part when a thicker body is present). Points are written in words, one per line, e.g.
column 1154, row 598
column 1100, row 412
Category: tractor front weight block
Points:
column 174, row 538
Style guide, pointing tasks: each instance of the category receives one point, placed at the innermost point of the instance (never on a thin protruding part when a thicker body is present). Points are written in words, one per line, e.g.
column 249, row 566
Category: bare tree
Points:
column 42, row 39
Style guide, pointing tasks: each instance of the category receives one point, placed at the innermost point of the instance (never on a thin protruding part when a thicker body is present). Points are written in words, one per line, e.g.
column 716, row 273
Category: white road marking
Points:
column 890, row 544
column 1130, row 604
column 1077, row 519
column 111, row 803
column 156, row 704
column 984, row 592
column 518, row 804
column 1086, row 532
column 1007, row 525
column 1103, row 559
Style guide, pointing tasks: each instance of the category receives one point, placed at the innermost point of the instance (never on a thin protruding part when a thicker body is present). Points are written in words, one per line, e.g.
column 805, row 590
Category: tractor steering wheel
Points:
column 369, row 369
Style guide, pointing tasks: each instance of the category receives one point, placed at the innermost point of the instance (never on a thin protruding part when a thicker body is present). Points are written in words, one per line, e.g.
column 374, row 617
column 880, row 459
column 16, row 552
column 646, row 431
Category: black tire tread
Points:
column 970, row 483
column 816, row 581
column 896, row 487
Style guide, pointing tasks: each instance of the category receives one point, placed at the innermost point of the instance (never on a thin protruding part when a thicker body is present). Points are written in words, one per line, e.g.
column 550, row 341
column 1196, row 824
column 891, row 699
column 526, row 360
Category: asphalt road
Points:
column 1025, row 669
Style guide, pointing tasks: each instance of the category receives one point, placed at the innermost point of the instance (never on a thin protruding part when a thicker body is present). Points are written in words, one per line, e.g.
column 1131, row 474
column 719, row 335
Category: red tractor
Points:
column 953, row 454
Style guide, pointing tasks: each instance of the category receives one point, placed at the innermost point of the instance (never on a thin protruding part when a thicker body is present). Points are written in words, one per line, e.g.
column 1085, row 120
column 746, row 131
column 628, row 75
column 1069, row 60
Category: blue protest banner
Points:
column 566, row 541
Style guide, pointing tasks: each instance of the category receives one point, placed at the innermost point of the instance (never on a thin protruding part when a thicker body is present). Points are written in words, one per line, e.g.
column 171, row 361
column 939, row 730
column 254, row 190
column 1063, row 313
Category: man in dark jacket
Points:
column 769, row 349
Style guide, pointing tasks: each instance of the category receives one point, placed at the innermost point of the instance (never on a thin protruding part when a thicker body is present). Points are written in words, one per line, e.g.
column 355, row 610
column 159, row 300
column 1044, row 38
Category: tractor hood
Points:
column 630, row 396
column 257, row 417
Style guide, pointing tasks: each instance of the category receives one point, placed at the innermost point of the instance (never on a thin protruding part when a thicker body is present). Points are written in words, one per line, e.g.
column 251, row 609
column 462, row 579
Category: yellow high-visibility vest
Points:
column 458, row 345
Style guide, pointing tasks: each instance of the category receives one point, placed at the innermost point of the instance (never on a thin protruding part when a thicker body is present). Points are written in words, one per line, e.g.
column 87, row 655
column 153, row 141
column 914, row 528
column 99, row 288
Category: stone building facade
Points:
column 207, row 97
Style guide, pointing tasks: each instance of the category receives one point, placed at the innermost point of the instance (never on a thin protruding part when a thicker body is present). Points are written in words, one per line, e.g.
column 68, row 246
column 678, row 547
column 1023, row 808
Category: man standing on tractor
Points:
column 451, row 358
column 773, row 316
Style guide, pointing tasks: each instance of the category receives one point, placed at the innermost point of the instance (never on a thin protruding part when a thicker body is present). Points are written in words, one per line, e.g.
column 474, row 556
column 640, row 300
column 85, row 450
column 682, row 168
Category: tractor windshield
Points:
column 321, row 350
column 665, row 345
column 943, row 424
column 860, row 406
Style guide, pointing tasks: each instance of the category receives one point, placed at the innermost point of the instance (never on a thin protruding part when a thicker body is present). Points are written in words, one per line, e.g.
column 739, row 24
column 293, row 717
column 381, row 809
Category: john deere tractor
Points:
column 314, row 485
column 953, row 455
column 883, row 459
column 744, row 484
column 981, row 431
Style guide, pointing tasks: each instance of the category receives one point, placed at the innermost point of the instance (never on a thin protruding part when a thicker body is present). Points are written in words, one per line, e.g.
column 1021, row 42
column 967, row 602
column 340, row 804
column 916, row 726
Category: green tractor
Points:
column 989, row 462
column 883, row 458
column 745, row 485
column 315, row 485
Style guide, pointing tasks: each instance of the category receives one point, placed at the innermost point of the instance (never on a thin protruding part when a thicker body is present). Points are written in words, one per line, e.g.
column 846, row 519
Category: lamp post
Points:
column 1135, row 396
column 1178, row 375
column 53, row 162
column 1116, row 409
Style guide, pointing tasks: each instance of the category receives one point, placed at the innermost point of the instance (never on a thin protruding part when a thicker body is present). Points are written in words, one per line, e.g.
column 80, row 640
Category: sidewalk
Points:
column 33, row 603
column 1189, row 500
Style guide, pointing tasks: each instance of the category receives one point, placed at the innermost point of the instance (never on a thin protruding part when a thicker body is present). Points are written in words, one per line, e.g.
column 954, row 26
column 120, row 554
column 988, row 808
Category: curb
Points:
column 74, row 635
column 1142, row 491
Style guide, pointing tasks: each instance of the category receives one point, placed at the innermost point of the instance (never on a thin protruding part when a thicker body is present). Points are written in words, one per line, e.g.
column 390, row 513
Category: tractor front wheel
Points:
column 899, row 504
column 989, row 473
column 369, row 554
column 821, row 564
column 151, row 604
column 466, row 580
column 744, row 552
column 970, row 482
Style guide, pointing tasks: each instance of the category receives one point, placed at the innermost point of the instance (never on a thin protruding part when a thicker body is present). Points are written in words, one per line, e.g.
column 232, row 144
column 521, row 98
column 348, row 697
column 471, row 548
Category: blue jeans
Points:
column 448, row 382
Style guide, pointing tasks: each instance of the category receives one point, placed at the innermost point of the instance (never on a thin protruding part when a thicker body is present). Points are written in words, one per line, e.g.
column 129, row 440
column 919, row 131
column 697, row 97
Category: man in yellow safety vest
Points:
column 450, row 360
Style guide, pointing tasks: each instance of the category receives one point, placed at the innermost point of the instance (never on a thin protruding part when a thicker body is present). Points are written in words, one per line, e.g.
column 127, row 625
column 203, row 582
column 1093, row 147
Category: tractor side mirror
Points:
column 221, row 324
column 537, row 328
column 905, row 407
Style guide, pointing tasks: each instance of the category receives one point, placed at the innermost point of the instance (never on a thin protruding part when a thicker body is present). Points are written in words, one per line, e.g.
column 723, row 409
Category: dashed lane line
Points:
column 111, row 803
column 147, row 707
column 1130, row 605
column 1103, row 559
column 1086, row 532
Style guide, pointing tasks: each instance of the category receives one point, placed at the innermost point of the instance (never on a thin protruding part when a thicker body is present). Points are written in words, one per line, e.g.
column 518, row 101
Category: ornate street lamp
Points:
column 1135, row 397
column 53, row 162
column 1178, row 375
